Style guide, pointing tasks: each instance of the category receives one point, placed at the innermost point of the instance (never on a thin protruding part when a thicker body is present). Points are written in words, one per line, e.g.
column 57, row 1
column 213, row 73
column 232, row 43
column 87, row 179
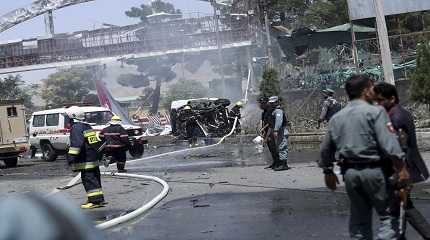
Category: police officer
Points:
column 265, row 114
column 403, row 124
column 83, row 157
column 360, row 133
column 264, row 123
column 116, row 142
column 278, row 135
column 330, row 106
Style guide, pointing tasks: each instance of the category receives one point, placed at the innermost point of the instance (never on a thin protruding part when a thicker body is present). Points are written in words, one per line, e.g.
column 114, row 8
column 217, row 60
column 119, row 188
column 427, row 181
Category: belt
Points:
column 362, row 165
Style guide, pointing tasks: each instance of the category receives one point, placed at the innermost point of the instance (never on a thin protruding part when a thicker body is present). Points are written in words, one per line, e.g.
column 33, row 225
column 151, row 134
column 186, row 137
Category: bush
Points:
column 420, row 85
column 270, row 85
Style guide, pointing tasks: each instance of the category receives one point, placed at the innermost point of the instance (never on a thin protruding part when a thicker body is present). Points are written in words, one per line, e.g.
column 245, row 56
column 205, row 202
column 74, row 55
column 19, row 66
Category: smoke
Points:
column 251, row 116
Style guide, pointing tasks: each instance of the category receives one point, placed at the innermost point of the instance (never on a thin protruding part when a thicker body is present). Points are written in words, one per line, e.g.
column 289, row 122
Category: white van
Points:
column 50, row 130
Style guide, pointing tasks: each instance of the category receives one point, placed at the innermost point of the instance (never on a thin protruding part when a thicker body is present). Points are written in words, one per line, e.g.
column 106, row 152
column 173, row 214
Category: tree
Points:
column 67, row 86
column 11, row 88
column 420, row 86
column 159, row 69
column 155, row 7
column 327, row 14
column 316, row 13
column 184, row 89
column 270, row 85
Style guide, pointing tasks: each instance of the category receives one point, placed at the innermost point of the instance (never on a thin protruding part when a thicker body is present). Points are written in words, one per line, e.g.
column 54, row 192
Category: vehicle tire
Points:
column 48, row 152
column 136, row 150
column 11, row 162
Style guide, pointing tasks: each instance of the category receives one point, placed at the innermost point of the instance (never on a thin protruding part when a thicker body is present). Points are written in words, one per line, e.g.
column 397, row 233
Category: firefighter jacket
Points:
column 115, row 136
column 84, row 145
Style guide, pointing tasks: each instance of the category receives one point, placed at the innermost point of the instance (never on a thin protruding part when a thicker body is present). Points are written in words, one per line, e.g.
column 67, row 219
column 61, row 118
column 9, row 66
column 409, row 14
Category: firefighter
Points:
column 235, row 112
column 116, row 142
column 83, row 157
column 191, row 125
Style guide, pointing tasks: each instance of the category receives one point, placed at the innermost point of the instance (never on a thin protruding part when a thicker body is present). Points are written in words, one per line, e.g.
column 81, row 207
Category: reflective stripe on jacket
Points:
column 84, row 144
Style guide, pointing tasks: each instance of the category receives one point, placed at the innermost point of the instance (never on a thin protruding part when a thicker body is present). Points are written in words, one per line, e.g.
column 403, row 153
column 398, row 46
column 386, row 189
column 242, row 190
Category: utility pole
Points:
column 219, row 44
column 384, row 43
column 49, row 23
column 269, row 40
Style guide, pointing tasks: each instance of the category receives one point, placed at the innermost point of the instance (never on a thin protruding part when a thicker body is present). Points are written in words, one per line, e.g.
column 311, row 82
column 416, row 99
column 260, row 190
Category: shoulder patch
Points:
column 390, row 127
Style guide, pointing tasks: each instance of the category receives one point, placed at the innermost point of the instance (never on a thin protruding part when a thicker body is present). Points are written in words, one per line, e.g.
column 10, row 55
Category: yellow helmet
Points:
column 239, row 103
column 187, row 108
column 115, row 118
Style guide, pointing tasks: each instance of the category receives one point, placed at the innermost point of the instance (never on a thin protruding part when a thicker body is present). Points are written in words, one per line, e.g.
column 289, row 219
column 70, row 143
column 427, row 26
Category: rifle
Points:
column 403, row 195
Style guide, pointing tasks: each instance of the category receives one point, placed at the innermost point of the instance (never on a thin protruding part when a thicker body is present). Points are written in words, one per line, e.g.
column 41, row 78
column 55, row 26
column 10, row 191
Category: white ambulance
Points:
column 50, row 130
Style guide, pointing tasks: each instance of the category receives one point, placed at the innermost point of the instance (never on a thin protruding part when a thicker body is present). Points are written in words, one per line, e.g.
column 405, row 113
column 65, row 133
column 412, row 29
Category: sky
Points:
column 80, row 17
column 86, row 16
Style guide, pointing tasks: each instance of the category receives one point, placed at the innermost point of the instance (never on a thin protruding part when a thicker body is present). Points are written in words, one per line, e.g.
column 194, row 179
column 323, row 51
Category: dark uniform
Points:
column 116, row 140
column 359, row 134
column 329, row 108
column 83, row 157
column 265, row 119
column 403, row 123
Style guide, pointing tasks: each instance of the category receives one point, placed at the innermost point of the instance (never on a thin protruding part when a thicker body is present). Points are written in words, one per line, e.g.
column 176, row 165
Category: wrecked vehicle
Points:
column 212, row 115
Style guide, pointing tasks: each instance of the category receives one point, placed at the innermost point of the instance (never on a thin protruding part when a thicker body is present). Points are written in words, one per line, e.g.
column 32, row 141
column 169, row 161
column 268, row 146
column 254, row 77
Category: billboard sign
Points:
column 360, row 9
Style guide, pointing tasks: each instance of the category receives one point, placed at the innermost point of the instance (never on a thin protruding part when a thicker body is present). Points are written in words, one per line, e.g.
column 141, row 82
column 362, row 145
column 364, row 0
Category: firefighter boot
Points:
column 418, row 222
column 89, row 205
column 121, row 167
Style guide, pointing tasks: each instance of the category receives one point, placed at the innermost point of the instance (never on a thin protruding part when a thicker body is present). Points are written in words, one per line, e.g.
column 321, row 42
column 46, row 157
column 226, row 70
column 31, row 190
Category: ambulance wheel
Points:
column 136, row 151
column 48, row 152
column 11, row 162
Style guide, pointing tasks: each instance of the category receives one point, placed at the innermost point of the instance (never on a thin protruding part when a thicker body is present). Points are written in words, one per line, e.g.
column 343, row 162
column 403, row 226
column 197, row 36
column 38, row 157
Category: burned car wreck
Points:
column 211, row 117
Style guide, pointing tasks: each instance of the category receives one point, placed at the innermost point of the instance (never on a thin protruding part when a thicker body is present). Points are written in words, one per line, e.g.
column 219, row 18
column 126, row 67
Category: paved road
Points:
column 220, row 193
column 282, row 214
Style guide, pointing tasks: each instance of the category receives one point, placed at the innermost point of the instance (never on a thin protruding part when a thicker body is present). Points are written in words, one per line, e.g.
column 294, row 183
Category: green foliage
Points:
column 327, row 14
column 295, row 6
column 184, row 89
column 12, row 88
column 420, row 88
column 270, row 85
column 67, row 86
column 147, row 9
column 317, row 13
column 133, row 80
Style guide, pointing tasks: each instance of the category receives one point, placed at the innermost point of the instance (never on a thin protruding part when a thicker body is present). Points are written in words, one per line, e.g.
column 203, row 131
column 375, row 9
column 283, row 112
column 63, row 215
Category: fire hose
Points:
column 144, row 208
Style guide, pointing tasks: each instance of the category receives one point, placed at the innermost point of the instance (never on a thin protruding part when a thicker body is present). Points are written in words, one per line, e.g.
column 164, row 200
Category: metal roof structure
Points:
column 347, row 28
column 35, row 9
